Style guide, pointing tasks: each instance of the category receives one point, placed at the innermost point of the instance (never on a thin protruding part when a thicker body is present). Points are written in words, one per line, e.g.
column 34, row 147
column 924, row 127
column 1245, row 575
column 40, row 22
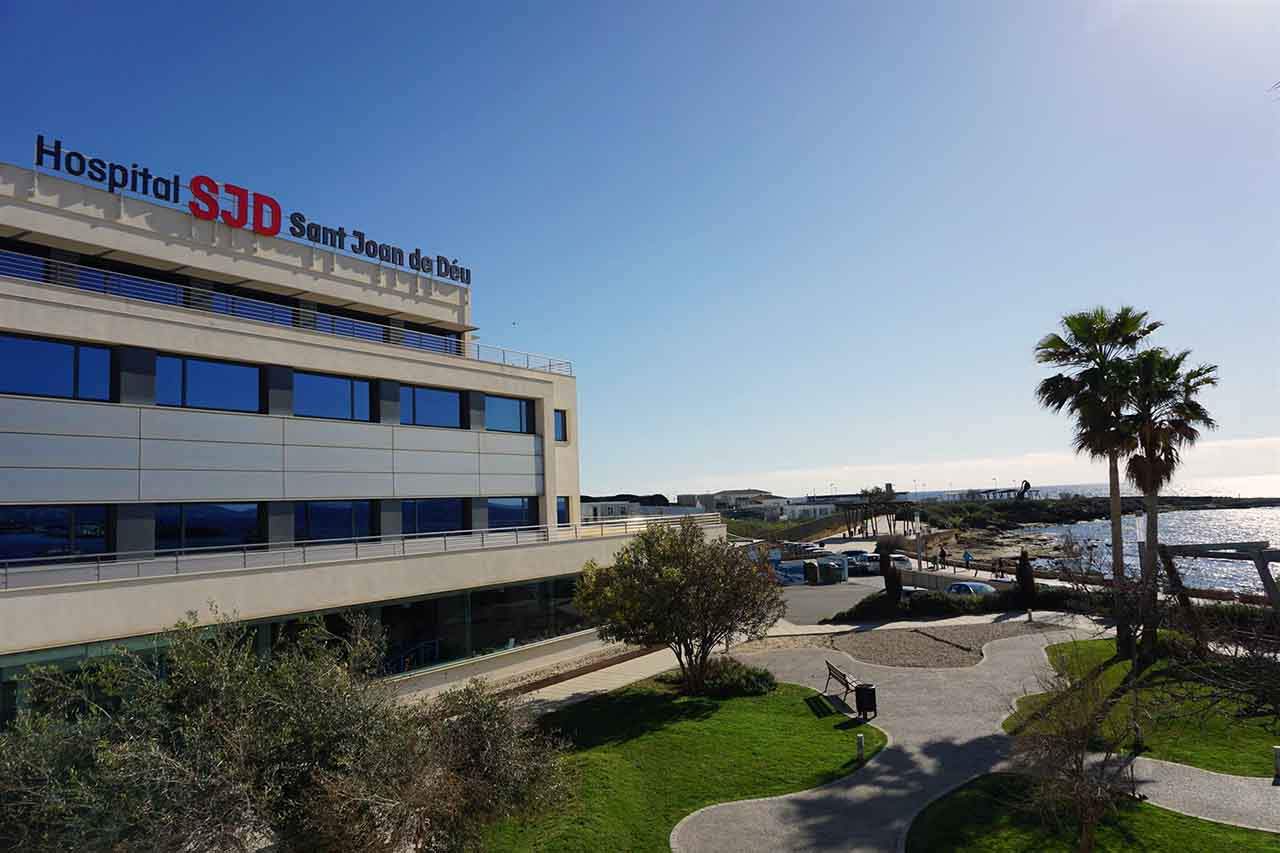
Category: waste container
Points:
column 864, row 699
column 811, row 572
column 828, row 572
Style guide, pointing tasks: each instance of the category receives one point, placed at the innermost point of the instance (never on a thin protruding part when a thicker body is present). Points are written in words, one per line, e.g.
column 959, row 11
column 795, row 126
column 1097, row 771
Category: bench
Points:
column 841, row 677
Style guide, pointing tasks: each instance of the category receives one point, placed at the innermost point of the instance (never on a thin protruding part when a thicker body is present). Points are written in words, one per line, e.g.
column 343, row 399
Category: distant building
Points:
column 727, row 500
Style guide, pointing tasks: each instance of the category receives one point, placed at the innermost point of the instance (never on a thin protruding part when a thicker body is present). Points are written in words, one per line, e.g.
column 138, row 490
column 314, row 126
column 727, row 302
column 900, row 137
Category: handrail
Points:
column 64, row 274
column 37, row 572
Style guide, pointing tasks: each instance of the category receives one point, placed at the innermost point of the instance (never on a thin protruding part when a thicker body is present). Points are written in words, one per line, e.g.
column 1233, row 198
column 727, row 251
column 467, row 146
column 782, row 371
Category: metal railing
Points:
column 34, row 572
column 55, row 273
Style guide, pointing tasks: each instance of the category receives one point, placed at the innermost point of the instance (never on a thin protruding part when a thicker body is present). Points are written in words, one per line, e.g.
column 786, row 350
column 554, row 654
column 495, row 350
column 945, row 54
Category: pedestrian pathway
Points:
column 783, row 628
column 944, row 729
column 555, row 696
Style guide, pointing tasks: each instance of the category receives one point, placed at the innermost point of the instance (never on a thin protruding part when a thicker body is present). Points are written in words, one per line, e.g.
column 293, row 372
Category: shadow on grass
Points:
column 1046, row 708
column 618, row 717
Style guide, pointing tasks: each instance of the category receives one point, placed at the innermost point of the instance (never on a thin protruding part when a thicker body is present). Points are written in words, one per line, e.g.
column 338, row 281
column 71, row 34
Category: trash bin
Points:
column 811, row 572
column 829, row 572
column 864, row 699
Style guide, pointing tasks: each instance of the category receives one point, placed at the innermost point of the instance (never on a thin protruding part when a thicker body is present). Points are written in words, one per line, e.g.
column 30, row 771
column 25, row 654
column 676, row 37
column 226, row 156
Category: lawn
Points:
column 644, row 757
column 1181, row 729
column 984, row 817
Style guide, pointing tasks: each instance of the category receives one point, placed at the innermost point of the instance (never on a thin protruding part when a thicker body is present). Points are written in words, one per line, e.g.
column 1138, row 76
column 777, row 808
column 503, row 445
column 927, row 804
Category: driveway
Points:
column 808, row 605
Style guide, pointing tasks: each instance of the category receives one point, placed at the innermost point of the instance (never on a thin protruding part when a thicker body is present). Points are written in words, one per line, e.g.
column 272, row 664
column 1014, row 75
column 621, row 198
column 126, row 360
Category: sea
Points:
column 1188, row 527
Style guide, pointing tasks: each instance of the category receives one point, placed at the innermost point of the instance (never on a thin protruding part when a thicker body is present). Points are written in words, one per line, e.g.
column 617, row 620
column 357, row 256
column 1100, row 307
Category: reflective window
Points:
column 199, row 383
column 332, row 520
column 437, row 407
column 562, row 425
column 432, row 515
column 317, row 395
column 48, row 368
column 510, row 512
column 562, row 510
column 50, row 531
column 207, row 525
column 508, row 414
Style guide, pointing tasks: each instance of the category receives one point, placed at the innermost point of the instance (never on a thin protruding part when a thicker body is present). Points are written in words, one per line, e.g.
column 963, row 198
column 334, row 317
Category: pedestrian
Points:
column 942, row 557
column 1000, row 567
column 968, row 558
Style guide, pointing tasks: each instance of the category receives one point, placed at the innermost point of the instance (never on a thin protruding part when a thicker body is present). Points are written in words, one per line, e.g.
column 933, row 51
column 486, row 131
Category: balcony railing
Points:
column 61, row 274
column 34, row 572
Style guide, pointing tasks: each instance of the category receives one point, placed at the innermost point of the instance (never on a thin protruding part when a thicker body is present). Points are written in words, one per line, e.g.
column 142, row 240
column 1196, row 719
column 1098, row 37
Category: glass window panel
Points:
column 94, row 380
column 31, row 366
column 316, row 395
column 562, row 425
column 506, row 414
column 565, row 617
column 562, row 510
column 437, row 407
column 211, row 525
column 34, row 531
column 221, row 385
column 510, row 616
column 91, row 529
column 300, row 526
column 168, row 527
column 406, row 404
column 360, row 399
column 509, row 512
column 439, row 515
column 328, row 520
column 408, row 517
column 22, row 266
column 362, row 518
column 168, row 380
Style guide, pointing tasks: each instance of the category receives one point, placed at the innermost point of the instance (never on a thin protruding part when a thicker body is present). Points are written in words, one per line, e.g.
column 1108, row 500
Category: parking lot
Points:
column 807, row 605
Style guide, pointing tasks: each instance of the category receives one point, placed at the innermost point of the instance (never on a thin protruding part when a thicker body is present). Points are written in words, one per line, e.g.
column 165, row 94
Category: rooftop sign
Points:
column 252, row 211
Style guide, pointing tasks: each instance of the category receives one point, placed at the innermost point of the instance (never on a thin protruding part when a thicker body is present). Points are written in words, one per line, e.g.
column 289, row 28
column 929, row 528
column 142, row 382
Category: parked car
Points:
column 908, row 591
column 971, row 588
column 902, row 562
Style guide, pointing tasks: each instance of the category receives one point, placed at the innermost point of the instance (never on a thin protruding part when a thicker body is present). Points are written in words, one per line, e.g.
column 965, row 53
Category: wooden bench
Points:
column 841, row 677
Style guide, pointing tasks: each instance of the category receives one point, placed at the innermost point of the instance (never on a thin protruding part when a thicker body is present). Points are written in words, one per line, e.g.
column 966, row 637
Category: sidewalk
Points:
column 554, row 696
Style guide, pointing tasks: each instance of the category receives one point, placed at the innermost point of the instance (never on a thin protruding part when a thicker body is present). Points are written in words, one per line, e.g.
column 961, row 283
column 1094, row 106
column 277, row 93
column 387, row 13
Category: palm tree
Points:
column 1164, row 417
column 1096, row 346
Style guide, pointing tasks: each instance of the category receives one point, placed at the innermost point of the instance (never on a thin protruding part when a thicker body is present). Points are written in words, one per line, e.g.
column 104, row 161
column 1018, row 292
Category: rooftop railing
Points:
column 62, row 274
column 37, row 572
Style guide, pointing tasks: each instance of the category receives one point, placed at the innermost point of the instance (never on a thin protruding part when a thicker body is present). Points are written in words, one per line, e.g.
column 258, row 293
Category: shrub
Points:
column 727, row 678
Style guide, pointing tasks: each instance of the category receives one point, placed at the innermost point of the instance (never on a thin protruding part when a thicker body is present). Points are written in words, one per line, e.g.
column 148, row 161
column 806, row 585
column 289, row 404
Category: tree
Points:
column 1072, row 756
column 1095, row 347
column 672, row 586
column 1164, row 417
column 205, row 745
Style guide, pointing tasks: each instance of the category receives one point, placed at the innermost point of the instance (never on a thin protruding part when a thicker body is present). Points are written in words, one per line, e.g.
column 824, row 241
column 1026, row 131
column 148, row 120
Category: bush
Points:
column 727, row 678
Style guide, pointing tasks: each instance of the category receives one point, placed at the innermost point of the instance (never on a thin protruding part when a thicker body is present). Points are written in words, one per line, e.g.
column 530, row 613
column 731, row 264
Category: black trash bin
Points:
column 864, row 699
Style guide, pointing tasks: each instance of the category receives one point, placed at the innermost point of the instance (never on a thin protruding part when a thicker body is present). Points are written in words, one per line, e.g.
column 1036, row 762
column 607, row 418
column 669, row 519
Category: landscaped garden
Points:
column 645, row 756
column 1178, row 722
column 988, row 815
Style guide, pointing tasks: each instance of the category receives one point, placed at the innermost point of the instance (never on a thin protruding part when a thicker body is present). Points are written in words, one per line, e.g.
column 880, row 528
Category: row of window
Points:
column 50, row 368
column 50, row 531
column 115, row 278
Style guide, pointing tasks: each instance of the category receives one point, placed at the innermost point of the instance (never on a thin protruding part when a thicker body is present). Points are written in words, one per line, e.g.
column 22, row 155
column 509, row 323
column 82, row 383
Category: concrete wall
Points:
column 80, row 613
column 62, row 451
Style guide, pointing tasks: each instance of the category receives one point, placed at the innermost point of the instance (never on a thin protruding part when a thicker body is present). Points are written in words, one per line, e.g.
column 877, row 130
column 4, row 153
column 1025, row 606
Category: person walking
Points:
column 942, row 557
column 968, row 559
column 1000, row 567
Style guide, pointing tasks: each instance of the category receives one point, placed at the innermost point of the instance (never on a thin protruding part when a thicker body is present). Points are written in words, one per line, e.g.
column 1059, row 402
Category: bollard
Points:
column 862, row 746
column 1028, row 614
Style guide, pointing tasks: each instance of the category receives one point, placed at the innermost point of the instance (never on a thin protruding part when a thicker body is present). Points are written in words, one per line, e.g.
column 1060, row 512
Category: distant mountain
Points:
column 643, row 500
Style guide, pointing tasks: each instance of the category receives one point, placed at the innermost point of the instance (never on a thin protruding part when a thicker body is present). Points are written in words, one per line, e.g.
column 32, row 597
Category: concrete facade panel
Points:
column 497, row 442
column 68, row 485
column 436, row 485
column 66, row 417
column 313, row 485
column 177, row 485
column 427, row 438
column 324, row 433
column 298, row 458
column 500, row 485
column 432, row 462
column 211, row 455
column 505, row 463
column 195, row 425
column 25, row 450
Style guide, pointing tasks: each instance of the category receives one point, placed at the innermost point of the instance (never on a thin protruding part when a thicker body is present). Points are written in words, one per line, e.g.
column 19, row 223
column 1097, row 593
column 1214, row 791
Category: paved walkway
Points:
column 582, row 687
column 944, row 729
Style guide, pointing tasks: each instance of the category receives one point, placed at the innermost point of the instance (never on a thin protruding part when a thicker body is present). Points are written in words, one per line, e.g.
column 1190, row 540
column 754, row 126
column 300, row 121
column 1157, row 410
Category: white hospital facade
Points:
column 192, row 411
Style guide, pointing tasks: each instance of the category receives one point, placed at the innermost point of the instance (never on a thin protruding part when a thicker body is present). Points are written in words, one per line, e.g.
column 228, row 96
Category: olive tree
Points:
column 673, row 586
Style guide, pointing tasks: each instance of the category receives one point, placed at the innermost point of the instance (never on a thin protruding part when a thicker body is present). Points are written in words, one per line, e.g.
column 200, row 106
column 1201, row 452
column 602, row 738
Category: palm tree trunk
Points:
column 1124, row 624
column 1150, row 612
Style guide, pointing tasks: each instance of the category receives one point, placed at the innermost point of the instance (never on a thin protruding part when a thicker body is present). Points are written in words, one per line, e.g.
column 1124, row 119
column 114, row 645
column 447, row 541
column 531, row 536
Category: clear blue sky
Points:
column 785, row 245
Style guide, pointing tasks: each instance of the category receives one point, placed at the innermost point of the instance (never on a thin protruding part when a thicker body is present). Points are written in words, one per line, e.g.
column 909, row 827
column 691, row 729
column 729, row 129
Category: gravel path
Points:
column 944, row 729
column 926, row 646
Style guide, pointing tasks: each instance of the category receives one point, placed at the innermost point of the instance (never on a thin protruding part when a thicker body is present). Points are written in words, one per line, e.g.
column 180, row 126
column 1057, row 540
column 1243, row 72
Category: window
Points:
column 332, row 520
column 45, row 368
column 435, row 407
column 211, row 525
column 562, row 510
column 198, row 383
column 50, row 531
column 508, row 414
column 510, row 512
column 316, row 395
column 562, row 425
column 432, row 515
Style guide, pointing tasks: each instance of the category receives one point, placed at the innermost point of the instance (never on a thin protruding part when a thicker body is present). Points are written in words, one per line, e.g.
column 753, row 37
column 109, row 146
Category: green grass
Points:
column 644, row 757
column 984, row 817
column 1181, row 729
